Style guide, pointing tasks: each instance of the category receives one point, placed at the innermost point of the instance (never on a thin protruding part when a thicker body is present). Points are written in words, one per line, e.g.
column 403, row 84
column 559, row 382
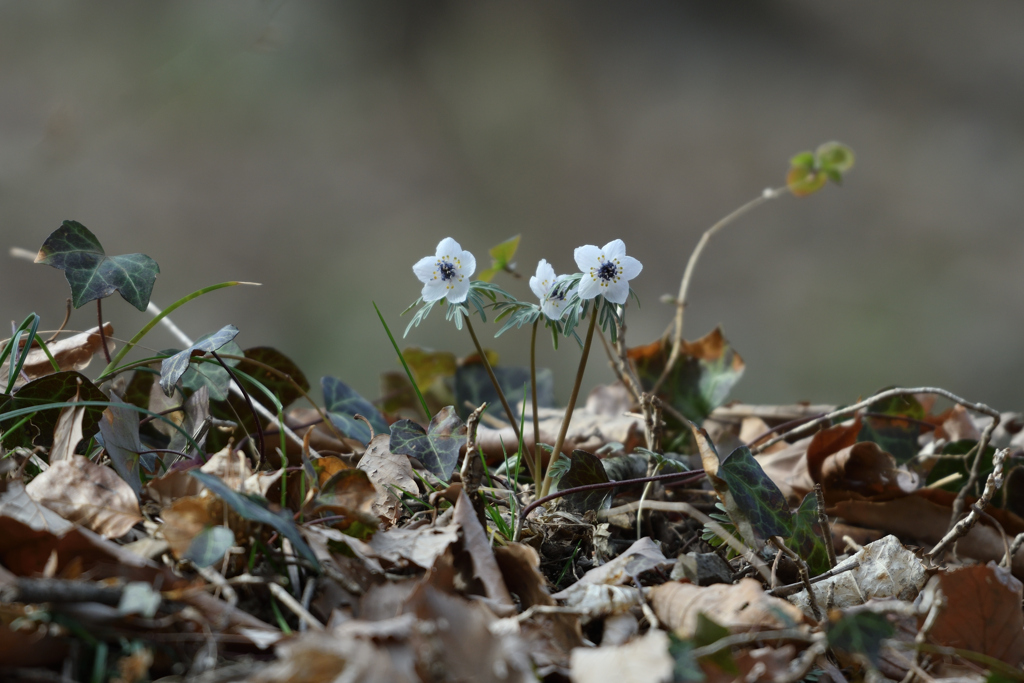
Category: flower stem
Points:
column 546, row 485
column 538, row 459
column 501, row 394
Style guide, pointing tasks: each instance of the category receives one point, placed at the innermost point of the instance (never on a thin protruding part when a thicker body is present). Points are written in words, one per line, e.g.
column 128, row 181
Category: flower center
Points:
column 447, row 269
column 608, row 271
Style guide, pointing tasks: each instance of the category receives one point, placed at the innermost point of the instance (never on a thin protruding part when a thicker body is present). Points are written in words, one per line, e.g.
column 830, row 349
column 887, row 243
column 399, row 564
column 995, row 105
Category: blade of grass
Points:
column 408, row 372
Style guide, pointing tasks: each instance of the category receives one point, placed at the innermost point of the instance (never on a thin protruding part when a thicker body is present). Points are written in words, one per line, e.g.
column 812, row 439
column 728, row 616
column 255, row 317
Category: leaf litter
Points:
column 156, row 526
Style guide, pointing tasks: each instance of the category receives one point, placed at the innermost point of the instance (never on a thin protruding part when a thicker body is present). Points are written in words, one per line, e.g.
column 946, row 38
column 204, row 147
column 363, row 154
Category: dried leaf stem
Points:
column 538, row 464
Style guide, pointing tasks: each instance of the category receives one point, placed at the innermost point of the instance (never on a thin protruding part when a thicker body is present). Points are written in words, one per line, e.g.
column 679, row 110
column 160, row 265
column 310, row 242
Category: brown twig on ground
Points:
column 805, row 575
column 1015, row 545
column 826, row 532
column 794, row 588
column 992, row 484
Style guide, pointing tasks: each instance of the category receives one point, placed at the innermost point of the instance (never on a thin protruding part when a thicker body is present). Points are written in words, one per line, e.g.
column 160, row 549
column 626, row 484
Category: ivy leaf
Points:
column 894, row 424
column 255, row 508
column 953, row 465
column 94, row 275
column 437, row 447
column 809, row 171
column 56, row 388
column 708, row 632
column 702, row 378
column 756, row 495
column 501, row 258
column 343, row 402
column 806, row 540
column 172, row 368
column 119, row 434
column 861, row 633
column 585, row 468
column 472, row 384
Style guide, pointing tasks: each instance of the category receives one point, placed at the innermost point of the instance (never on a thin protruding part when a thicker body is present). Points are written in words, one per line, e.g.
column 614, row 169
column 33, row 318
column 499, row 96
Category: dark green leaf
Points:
column 585, row 468
column 437, row 447
column 806, row 539
column 860, row 633
column 172, row 368
column 209, row 545
column 702, row 378
column 119, row 433
column 623, row 467
column 708, row 632
column 894, row 424
column 342, row 403
column 472, row 384
column 254, row 508
column 953, row 462
column 285, row 391
column 55, row 388
column 94, row 275
column 756, row 495
column 686, row 669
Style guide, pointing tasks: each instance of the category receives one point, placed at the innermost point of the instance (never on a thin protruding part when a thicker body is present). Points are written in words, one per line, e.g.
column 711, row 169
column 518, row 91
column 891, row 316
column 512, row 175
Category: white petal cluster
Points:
column 606, row 271
column 446, row 274
column 543, row 283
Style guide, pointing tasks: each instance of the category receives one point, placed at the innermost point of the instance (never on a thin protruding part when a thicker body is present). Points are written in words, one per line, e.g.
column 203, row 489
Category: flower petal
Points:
column 468, row 263
column 589, row 287
column 617, row 292
column 552, row 308
column 458, row 291
column 448, row 247
column 424, row 268
column 631, row 267
column 542, row 282
column 434, row 290
column 614, row 249
column 587, row 257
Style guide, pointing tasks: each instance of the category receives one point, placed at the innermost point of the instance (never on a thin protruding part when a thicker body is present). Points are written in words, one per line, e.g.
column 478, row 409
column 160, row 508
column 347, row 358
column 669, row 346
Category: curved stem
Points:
column 501, row 394
column 684, row 286
column 537, row 455
column 546, row 485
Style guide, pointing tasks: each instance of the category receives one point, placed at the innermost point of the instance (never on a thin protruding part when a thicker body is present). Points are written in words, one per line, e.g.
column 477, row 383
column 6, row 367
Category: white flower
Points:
column 606, row 271
column 446, row 274
column 542, row 284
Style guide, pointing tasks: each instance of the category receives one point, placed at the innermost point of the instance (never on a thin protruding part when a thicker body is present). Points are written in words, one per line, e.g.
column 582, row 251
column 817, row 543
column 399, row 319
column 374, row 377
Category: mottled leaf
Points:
column 437, row 447
column 254, row 508
column 702, row 378
column 756, row 495
column 55, row 388
column 585, row 468
column 473, row 385
column 806, row 539
column 895, row 425
column 209, row 546
column 212, row 375
column 342, row 403
column 172, row 368
column 860, row 633
column 94, row 275
column 119, row 434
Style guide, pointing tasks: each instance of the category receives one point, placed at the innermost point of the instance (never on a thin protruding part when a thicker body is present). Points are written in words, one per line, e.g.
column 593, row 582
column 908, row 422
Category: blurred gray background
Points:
column 322, row 148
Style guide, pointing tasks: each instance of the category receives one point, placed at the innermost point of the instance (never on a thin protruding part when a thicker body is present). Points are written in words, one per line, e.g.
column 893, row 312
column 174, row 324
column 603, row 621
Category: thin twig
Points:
column 538, row 464
column 805, row 575
column 826, row 532
column 494, row 380
column 1018, row 541
column 291, row 603
column 684, row 286
column 67, row 317
column 749, row 637
column 103, row 335
column 992, row 484
column 794, row 588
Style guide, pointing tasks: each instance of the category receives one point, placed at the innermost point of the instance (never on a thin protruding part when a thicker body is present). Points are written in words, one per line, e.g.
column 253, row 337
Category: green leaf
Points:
column 343, row 402
column 803, row 160
column 119, row 434
column 952, row 464
column 254, row 508
column 756, row 496
column 209, row 545
column 708, row 632
column 686, row 669
column 701, row 379
column 94, row 275
column 806, row 540
column 501, row 258
column 860, row 633
column 210, row 374
column 894, row 424
column 55, row 388
column 834, row 156
column 585, row 468
column 437, row 447
column 285, row 391
column 473, row 384
column 172, row 368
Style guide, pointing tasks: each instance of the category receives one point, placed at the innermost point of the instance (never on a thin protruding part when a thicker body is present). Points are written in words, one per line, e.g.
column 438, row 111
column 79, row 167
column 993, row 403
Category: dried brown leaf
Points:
column 475, row 543
column 71, row 353
column 185, row 518
column 644, row 660
column 388, row 471
column 743, row 606
column 67, row 432
column 88, row 494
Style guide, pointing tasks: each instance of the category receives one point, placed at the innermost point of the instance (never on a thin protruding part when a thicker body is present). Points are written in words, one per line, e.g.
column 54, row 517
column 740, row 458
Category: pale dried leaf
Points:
column 15, row 503
column 71, row 353
column 642, row 556
column 185, row 518
column 388, row 471
column 88, row 494
column 743, row 606
column 644, row 660
column 420, row 546
column 67, row 432
column 231, row 467
column 474, row 540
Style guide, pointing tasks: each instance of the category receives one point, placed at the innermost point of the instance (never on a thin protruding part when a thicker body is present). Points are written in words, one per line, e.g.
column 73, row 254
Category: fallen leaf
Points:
column 389, row 472
column 71, row 353
column 742, row 606
column 119, row 432
column 640, row 557
column 88, row 494
column 644, row 660
column 420, row 546
column 475, row 543
column 67, row 432
column 437, row 447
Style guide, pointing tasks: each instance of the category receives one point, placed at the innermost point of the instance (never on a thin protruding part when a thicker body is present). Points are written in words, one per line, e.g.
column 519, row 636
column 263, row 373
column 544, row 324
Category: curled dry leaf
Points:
column 475, row 543
column 71, row 353
column 388, row 471
column 88, row 494
column 420, row 546
column 644, row 660
column 186, row 518
column 743, row 606
column 68, row 431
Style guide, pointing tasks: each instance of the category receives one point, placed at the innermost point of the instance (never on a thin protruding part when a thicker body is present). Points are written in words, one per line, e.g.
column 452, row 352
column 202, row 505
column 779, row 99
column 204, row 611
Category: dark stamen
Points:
column 607, row 271
column 447, row 270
